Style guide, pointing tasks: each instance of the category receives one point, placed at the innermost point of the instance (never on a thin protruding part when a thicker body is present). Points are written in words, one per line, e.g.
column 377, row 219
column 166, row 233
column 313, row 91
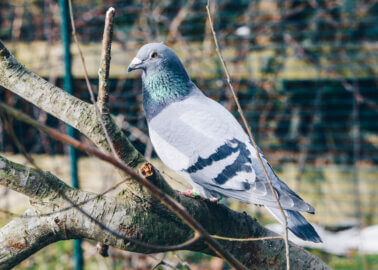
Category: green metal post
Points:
column 65, row 32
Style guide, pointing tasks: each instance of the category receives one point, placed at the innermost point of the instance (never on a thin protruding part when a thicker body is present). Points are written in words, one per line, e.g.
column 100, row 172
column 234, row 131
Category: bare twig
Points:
column 245, row 239
column 165, row 199
column 335, row 74
column 249, row 134
column 157, row 193
column 77, row 206
column 177, row 21
column 161, row 262
column 21, row 116
column 8, row 127
column 103, row 72
column 98, row 113
column 103, row 81
column 173, row 179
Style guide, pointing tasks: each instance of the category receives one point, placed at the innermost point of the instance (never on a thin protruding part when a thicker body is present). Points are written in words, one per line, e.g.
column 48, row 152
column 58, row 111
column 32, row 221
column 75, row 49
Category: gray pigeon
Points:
column 200, row 140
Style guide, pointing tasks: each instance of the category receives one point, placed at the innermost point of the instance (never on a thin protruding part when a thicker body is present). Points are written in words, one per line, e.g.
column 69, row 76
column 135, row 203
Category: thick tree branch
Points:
column 56, row 220
column 27, row 180
column 24, row 236
column 157, row 193
column 75, row 112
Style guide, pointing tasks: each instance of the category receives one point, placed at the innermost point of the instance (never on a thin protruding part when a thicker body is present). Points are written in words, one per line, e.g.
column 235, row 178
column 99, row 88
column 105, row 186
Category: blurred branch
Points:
column 305, row 145
column 250, row 136
column 162, row 262
column 8, row 213
column 177, row 21
column 9, row 129
column 336, row 75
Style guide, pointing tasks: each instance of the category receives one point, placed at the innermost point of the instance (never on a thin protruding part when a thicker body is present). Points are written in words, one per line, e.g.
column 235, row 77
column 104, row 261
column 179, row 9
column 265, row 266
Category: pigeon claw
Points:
column 189, row 193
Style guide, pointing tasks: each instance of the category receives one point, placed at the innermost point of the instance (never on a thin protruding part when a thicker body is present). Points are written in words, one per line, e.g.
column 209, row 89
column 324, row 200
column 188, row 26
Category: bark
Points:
column 73, row 111
column 134, row 213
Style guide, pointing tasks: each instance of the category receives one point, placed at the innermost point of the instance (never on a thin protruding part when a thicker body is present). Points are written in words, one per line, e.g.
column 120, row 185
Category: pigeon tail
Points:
column 297, row 224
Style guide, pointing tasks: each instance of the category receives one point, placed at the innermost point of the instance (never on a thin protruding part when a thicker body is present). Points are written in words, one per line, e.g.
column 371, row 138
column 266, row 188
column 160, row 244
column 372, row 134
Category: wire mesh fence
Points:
column 305, row 72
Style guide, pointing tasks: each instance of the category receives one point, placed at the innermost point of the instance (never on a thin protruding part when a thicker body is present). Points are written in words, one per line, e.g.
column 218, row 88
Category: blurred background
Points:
column 306, row 75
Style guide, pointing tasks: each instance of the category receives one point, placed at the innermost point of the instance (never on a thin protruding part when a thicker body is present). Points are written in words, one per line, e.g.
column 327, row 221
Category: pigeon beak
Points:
column 135, row 64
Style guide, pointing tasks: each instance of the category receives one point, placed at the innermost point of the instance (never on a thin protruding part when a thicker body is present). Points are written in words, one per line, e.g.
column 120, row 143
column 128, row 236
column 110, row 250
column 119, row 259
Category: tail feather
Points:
column 297, row 224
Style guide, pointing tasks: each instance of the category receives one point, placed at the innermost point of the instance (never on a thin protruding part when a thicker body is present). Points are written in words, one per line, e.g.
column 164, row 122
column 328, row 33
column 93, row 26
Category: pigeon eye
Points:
column 154, row 55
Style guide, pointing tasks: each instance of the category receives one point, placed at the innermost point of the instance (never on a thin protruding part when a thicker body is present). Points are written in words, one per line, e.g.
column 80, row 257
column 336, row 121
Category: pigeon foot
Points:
column 189, row 193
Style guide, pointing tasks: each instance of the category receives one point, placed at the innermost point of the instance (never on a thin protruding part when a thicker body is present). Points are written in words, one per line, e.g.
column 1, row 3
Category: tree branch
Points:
column 27, row 180
column 89, row 87
column 53, row 220
column 158, row 194
column 73, row 111
column 126, row 213
column 103, row 72
column 24, row 236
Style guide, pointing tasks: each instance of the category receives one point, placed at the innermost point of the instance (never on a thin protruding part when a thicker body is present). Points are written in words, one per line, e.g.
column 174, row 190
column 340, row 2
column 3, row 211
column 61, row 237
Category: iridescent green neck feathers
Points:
column 162, row 88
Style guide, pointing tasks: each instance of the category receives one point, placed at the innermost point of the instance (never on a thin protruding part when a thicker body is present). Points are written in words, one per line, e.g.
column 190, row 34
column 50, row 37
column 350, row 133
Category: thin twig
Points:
column 98, row 113
column 19, row 115
column 301, row 52
column 168, row 201
column 173, row 179
column 177, row 21
column 250, row 134
column 245, row 239
column 107, row 43
column 8, row 127
column 177, row 208
column 161, row 262
column 77, row 206
column 103, row 72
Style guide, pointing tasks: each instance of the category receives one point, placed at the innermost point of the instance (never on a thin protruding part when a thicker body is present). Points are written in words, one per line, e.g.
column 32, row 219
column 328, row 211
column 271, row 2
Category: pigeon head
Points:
column 164, row 77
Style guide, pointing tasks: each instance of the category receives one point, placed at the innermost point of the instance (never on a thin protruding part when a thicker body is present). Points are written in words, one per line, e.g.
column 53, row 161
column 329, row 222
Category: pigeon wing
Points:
column 198, row 138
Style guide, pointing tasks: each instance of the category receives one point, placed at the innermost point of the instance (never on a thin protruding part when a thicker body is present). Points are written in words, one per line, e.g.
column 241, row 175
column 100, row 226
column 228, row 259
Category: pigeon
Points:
column 202, row 141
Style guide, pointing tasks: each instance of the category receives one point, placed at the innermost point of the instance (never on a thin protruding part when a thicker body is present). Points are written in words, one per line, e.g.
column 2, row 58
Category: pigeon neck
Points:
column 161, row 89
